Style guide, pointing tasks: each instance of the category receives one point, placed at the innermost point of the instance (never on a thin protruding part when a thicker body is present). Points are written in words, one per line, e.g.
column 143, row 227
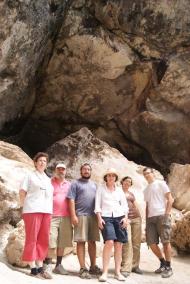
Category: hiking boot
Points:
column 84, row 274
column 125, row 273
column 160, row 269
column 167, row 272
column 137, row 270
column 95, row 270
column 60, row 270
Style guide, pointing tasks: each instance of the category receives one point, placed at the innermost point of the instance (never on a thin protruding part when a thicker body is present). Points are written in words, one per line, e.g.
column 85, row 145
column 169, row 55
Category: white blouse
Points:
column 111, row 203
column 39, row 197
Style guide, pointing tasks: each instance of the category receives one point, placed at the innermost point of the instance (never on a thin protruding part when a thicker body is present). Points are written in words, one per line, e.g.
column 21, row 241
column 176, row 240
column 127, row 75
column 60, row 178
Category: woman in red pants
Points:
column 36, row 197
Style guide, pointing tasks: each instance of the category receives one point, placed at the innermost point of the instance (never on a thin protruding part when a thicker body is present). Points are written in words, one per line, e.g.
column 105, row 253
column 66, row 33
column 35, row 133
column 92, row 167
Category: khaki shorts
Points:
column 61, row 233
column 87, row 229
column 158, row 227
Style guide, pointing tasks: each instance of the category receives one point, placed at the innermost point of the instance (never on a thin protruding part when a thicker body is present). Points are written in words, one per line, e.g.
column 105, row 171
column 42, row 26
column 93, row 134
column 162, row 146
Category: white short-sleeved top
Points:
column 39, row 197
column 154, row 195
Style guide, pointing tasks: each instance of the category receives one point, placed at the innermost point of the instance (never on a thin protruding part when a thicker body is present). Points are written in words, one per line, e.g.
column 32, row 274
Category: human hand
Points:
column 101, row 224
column 74, row 220
column 124, row 223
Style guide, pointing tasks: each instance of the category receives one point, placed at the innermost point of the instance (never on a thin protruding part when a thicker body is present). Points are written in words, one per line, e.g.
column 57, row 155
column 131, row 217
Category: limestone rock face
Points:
column 179, row 180
column 14, row 247
column 120, row 68
column 27, row 29
column 181, row 233
column 14, row 164
column 93, row 79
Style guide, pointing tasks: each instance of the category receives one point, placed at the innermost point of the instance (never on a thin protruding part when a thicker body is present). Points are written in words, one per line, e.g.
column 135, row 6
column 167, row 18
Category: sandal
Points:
column 84, row 274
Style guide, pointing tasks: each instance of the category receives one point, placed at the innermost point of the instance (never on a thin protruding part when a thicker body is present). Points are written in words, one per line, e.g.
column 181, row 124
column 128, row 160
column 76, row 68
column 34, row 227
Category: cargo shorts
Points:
column 158, row 228
column 61, row 233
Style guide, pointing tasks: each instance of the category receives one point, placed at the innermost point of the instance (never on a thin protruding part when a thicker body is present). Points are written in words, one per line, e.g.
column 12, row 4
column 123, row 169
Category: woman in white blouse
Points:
column 111, row 209
column 36, row 197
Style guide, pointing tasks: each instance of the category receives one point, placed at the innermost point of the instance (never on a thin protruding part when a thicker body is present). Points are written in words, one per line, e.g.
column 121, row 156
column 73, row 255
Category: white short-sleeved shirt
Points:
column 39, row 197
column 154, row 195
column 111, row 204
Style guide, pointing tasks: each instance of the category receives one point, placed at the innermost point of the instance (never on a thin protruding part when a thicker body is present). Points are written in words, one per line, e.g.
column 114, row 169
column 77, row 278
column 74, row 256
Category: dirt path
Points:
column 181, row 267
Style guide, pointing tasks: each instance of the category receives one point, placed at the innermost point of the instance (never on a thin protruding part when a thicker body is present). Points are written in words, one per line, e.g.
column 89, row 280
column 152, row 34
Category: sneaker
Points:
column 167, row 272
column 137, row 270
column 38, row 275
column 119, row 277
column 47, row 267
column 103, row 278
column 46, row 275
column 84, row 274
column 160, row 269
column 60, row 270
column 95, row 270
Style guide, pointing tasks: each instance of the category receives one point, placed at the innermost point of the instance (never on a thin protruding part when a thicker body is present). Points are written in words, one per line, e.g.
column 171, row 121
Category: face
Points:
column 86, row 172
column 149, row 175
column 111, row 178
column 41, row 164
column 126, row 183
column 60, row 173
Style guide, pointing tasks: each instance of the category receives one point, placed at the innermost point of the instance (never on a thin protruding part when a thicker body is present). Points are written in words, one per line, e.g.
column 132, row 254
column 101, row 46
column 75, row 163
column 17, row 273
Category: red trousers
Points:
column 37, row 229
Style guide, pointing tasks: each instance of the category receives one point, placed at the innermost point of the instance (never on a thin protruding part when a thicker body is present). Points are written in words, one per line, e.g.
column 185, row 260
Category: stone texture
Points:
column 178, row 180
column 121, row 68
column 14, row 164
column 181, row 233
column 27, row 31
column 14, row 247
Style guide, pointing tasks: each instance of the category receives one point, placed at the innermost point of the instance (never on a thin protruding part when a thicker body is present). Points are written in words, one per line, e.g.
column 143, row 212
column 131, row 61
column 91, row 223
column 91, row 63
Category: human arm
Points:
column 22, row 196
column 124, row 204
column 101, row 221
column 74, row 218
column 98, row 209
column 169, row 202
column 71, row 198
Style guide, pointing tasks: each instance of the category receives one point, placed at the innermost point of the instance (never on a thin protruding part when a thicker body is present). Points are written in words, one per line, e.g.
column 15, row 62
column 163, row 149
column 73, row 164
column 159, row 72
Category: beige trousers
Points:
column 131, row 250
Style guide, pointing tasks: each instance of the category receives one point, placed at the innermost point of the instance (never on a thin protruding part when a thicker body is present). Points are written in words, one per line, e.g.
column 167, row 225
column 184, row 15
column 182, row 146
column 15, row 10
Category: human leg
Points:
column 127, row 253
column 32, row 222
column 136, row 243
column 117, row 257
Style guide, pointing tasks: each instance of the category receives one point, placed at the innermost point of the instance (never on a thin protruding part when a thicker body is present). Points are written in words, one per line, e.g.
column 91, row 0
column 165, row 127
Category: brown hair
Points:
column 116, row 177
column 147, row 169
column 39, row 155
column 85, row 164
column 127, row 177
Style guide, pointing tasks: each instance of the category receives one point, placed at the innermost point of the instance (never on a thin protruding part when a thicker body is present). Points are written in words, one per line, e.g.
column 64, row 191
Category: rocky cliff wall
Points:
column 121, row 68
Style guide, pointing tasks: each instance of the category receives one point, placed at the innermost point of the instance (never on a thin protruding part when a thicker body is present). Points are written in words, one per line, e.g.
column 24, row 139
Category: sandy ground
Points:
column 181, row 267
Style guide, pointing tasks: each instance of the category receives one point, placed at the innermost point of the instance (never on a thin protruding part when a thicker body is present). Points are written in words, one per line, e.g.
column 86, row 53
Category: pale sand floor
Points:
column 181, row 267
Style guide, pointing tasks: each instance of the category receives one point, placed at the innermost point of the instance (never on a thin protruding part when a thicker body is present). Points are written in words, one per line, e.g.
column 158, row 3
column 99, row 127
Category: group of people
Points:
column 57, row 212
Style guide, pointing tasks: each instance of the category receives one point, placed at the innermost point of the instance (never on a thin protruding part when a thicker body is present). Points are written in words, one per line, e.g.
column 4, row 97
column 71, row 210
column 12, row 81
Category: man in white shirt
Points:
column 159, row 202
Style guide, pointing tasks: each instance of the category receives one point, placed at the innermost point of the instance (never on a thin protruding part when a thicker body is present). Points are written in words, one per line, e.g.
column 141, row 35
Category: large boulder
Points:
column 82, row 146
column 15, row 245
column 181, row 233
column 178, row 180
column 14, row 164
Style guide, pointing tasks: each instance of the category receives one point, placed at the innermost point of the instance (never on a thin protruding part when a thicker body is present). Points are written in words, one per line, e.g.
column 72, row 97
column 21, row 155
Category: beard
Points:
column 86, row 177
column 60, row 175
